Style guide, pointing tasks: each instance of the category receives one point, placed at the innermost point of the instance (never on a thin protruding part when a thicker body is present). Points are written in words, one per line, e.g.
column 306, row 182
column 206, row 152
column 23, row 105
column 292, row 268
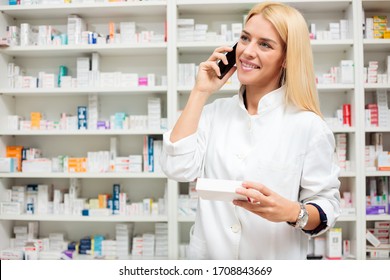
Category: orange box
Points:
column 35, row 120
column 103, row 200
column 77, row 165
column 15, row 152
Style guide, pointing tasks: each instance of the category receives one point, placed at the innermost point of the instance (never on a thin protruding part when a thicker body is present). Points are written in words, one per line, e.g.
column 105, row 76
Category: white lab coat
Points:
column 288, row 150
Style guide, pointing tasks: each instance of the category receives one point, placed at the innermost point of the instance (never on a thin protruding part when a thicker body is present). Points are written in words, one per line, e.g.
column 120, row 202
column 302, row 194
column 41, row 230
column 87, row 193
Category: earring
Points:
column 283, row 76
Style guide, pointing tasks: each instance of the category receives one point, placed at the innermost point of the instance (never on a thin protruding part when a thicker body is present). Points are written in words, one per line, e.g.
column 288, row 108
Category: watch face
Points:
column 302, row 221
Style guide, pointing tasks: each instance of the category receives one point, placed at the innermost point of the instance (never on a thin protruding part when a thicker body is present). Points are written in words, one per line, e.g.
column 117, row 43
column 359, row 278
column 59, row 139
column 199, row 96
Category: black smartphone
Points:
column 231, row 57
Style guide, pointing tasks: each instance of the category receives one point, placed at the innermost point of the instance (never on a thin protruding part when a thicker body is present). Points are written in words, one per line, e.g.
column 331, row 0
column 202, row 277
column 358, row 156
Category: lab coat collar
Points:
column 268, row 102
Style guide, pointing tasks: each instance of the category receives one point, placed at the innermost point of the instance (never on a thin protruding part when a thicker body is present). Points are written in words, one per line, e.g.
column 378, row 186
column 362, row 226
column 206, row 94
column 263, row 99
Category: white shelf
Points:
column 347, row 174
column 145, row 175
column 236, row 6
column 186, row 219
column 74, row 218
column 141, row 90
column 376, row 6
column 81, row 132
column 374, row 45
column 377, row 86
column 331, row 45
column 123, row 9
column 225, row 89
column 317, row 45
column 326, row 88
column 347, row 218
column 378, row 217
column 336, row 88
column 377, row 129
column 377, row 173
column 79, row 50
column 129, row 257
column 343, row 129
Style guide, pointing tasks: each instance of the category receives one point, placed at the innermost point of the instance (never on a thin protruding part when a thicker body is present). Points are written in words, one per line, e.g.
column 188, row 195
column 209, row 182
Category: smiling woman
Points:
column 270, row 136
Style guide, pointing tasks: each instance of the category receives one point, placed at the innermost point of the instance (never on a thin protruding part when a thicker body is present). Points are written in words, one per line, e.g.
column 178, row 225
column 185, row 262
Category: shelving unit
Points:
column 162, row 59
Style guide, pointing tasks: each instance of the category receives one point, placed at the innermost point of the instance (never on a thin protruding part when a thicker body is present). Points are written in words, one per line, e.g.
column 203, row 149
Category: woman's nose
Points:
column 249, row 50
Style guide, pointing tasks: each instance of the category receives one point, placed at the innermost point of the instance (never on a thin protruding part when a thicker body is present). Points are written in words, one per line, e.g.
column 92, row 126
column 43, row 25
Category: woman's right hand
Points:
column 207, row 81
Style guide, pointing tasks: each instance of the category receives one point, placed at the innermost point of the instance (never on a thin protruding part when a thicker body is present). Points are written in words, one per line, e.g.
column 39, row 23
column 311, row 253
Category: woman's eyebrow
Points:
column 261, row 38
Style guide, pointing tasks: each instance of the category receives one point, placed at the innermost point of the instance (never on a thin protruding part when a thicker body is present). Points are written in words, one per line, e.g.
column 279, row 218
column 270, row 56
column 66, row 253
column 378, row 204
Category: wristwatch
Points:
column 302, row 219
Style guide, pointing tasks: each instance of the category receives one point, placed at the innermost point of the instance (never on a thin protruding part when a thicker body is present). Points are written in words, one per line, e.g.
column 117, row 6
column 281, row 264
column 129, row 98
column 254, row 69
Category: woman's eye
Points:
column 244, row 38
column 265, row 45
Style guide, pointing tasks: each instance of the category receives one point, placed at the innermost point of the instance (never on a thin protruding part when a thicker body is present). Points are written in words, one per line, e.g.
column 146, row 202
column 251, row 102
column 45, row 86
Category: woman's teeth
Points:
column 249, row 65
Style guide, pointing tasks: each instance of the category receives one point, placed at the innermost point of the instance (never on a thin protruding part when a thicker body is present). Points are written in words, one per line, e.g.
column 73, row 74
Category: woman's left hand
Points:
column 266, row 203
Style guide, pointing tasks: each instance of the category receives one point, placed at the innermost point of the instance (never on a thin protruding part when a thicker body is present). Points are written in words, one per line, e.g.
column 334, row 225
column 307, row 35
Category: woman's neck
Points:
column 253, row 95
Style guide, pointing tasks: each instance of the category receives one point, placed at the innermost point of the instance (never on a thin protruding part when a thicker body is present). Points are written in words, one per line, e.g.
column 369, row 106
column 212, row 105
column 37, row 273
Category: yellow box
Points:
column 380, row 19
column 35, row 120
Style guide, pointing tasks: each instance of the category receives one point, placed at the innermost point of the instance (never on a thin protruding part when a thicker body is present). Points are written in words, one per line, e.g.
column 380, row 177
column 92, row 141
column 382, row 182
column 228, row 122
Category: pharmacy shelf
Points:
column 235, row 6
column 377, row 129
column 140, row 175
column 186, row 219
column 149, row 8
column 331, row 45
column 347, row 218
column 80, row 50
column 326, row 88
column 317, row 45
column 343, row 129
column 374, row 45
column 81, row 132
column 342, row 218
column 227, row 88
column 347, row 174
column 377, row 86
column 335, row 88
column 81, row 257
column 380, row 6
column 378, row 217
column 75, row 218
column 200, row 47
column 83, row 91
column 377, row 173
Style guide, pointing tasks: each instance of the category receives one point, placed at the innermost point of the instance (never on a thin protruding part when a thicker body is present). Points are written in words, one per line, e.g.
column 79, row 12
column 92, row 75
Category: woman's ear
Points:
column 284, row 63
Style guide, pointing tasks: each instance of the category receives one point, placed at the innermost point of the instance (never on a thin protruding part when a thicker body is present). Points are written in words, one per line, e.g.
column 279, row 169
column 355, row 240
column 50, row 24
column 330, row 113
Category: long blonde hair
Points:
column 299, row 77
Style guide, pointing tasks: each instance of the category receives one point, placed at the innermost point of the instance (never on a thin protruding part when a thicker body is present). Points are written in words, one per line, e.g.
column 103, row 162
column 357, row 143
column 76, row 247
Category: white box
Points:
column 223, row 190
column 372, row 239
column 334, row 243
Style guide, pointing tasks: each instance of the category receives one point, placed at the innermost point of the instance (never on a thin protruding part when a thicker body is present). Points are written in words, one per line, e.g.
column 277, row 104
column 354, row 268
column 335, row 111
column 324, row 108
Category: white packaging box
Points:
column 319, row 246
column 384, row 224
column 334, row 243
column 372, row 239
column 8, row 164
column 346, row 72
column 11, row 208
column 236, row 31
column 222, row 190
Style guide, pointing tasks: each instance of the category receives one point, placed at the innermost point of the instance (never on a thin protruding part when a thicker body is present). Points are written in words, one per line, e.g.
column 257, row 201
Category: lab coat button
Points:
column 236, row 228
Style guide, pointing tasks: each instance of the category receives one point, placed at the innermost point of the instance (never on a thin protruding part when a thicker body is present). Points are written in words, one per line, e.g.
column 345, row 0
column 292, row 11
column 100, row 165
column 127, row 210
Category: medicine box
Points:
column 334, row 243
column 222, row 190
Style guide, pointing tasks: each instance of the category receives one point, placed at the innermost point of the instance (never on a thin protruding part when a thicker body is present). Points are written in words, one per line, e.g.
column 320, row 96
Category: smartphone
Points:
column 231, row 57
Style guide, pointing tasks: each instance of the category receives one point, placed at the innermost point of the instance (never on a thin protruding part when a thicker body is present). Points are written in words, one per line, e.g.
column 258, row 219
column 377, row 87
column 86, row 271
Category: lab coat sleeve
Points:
column 182, row 160
column 319, row 181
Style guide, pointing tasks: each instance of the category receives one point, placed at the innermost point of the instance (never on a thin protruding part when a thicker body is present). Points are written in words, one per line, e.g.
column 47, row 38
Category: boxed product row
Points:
column 27, row 245
column 87, row 118
column 47, row 200
column 87, row 75
column 21, row 159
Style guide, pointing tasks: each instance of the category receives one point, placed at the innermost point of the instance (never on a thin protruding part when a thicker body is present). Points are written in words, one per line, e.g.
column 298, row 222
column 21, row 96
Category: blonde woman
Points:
column 270, row 135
